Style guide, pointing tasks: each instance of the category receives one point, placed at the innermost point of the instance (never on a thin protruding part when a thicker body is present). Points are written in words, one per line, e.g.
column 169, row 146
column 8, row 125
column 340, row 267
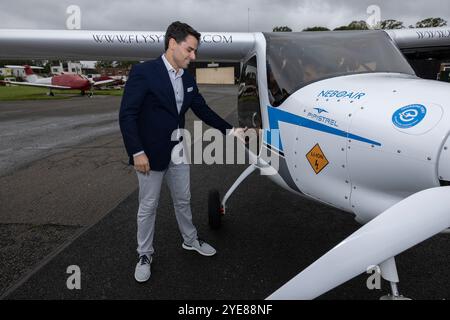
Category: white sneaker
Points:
column 142, row 272
column 201, row 247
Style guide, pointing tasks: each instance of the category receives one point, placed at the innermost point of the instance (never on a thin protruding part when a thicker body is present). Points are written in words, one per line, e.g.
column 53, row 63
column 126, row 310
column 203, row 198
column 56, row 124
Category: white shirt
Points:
column 177, row 82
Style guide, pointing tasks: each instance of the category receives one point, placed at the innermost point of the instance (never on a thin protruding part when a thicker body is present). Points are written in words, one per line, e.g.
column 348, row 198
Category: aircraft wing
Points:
column 29, row 84
column 114, row 45
column 395, row 230
column 143, row 45
column 420, row 37
column 103, row 82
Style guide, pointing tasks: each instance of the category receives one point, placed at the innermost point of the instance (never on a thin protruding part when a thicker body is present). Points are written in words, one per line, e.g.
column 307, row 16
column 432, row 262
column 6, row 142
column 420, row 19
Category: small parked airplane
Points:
column 344, row 114
column 60, row 82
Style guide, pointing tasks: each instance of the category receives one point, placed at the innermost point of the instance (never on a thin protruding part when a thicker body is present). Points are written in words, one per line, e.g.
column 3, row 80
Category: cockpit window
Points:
column 297, row 59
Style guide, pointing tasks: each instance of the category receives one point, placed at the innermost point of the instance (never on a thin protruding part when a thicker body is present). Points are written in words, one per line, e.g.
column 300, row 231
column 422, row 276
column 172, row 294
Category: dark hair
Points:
column 179, row 31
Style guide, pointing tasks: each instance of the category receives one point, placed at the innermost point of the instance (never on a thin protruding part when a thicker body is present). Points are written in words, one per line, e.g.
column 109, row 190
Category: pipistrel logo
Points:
column 320, row 110
column 409, row 116
column 322, row 118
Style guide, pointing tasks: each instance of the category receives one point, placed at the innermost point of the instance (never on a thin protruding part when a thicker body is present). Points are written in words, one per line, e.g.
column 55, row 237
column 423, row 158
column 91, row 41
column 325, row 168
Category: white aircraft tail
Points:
column 30, row 76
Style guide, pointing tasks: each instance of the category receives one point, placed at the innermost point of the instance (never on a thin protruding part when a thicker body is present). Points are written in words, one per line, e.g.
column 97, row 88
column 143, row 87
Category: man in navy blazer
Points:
column 157, row 95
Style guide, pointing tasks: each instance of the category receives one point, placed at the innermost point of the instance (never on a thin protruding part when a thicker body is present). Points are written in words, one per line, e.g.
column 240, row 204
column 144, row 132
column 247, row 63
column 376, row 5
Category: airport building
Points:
column 113, row 72
column 444, row 72
column 215, row 73
column 5, row 72
column 204, row 72
column 67, row 67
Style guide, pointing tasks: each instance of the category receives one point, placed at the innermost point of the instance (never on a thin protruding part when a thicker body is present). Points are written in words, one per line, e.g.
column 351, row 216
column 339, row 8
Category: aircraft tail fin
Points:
column 28, row 70
column 29, row 74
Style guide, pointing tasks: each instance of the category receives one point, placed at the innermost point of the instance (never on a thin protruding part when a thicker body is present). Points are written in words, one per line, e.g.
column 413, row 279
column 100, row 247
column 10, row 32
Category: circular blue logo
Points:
column 409, row 116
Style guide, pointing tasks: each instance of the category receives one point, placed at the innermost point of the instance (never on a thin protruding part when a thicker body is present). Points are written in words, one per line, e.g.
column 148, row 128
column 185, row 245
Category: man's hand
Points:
column 141, row 163
column 239, row 133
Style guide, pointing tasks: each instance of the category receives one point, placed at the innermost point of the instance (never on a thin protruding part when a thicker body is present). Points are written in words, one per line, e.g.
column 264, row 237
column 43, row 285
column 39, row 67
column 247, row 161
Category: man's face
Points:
column 184, row 52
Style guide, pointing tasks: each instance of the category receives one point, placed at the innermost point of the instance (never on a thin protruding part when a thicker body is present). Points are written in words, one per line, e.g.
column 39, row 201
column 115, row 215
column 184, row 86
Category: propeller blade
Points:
column 405, row 224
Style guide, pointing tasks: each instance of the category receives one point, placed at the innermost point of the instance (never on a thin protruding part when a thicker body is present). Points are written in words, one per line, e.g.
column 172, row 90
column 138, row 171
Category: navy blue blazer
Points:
column 148, row 112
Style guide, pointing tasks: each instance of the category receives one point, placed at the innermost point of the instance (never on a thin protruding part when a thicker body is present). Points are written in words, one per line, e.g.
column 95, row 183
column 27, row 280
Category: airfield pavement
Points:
column 68, row 197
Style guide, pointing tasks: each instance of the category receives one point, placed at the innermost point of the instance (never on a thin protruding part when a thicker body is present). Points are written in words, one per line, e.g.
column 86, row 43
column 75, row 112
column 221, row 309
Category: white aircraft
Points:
column 65, row 81
column 349, row 122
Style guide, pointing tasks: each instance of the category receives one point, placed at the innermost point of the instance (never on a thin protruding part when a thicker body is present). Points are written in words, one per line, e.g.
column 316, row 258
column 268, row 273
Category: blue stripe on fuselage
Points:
column 276, row 115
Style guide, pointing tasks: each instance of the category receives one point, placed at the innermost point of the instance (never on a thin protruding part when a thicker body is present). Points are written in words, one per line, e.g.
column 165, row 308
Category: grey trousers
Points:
column 178, row 180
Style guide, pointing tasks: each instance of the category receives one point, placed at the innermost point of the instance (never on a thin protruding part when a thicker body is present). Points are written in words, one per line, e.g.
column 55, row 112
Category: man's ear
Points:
column 172, row 43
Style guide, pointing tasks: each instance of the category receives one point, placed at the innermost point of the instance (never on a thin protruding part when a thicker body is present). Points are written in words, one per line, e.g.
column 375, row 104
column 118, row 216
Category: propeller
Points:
column 405, row 224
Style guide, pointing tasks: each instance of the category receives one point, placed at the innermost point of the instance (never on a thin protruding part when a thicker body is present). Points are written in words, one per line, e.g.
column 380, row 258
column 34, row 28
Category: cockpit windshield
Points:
column 297, row 59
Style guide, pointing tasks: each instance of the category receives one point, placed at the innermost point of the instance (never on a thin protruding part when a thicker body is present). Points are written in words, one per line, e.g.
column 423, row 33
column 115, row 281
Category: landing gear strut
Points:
column 217, row 209
column 389, row 273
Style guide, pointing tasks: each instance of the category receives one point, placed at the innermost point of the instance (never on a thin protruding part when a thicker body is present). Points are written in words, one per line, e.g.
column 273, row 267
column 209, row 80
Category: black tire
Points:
column 214, row 212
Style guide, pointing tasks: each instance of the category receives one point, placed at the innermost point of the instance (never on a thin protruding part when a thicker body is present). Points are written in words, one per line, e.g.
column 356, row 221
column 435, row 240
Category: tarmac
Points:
column 68, row 198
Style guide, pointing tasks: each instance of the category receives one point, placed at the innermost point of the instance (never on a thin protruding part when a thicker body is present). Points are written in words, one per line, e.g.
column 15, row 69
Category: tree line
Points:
column 384, row 24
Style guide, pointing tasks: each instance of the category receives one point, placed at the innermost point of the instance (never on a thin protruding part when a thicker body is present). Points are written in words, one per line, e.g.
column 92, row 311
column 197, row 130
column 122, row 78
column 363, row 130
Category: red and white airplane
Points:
column 60, row 82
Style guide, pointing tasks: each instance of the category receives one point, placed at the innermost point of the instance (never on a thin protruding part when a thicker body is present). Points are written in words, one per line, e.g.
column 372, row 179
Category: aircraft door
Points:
column 249, row 112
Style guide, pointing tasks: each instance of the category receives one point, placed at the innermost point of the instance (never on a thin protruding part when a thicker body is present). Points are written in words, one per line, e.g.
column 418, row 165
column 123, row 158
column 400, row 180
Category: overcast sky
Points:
column 212, row 15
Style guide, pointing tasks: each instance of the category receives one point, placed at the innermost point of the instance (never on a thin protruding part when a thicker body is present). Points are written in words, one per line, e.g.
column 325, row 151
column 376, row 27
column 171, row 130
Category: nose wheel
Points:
column 215, row 209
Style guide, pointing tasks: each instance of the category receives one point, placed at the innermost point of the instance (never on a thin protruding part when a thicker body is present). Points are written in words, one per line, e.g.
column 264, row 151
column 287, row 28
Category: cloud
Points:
column 212, row 15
